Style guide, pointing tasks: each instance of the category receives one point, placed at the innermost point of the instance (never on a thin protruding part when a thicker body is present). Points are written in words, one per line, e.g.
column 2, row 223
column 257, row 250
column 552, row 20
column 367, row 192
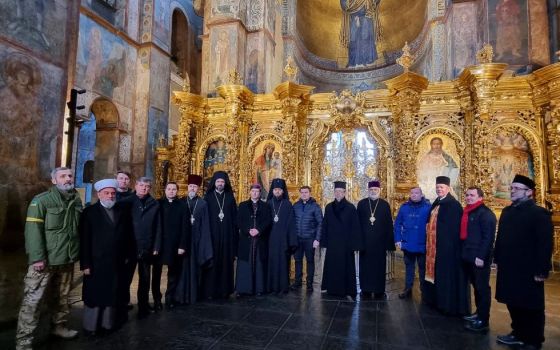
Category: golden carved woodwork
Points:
column 471, row 110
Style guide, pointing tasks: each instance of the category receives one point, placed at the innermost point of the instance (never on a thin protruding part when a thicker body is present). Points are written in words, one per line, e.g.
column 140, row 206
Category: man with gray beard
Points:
column 376, row 223
column 106, row 244
column 52, row 246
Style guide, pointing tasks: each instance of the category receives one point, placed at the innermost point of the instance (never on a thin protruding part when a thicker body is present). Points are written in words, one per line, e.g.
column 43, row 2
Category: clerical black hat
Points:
column 374, row 183
column 524, row 180
column 443, row 180
column 193, row 179
column 278, row 183
column 340, row 184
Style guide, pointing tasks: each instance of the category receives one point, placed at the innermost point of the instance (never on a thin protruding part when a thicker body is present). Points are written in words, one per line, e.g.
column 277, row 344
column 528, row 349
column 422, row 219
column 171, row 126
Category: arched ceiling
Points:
column 318, row 23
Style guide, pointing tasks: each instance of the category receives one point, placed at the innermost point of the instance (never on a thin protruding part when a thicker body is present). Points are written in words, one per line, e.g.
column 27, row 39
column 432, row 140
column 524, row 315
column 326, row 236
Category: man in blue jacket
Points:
column 410, row 237
column 308, row 218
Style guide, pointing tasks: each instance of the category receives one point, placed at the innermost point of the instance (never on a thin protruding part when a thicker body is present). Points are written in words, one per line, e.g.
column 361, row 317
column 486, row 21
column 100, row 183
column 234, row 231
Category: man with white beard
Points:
column 52, row 221
column 376, row 223
column 106, row 243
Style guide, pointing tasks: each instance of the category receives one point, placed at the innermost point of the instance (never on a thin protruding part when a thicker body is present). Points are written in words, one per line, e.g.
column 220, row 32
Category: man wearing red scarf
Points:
column 478, row 228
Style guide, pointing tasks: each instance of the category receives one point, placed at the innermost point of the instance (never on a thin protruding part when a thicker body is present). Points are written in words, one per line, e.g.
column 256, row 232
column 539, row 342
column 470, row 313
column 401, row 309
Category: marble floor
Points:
column 304, row 321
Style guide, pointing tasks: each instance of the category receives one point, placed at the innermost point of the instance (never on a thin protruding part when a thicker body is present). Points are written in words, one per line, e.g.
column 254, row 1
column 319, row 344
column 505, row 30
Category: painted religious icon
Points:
column 509, row 30
column 510, row 155
column 221, row 55
column 437, row 157
column 267, row 165
column 359, row 30
column 214, row 159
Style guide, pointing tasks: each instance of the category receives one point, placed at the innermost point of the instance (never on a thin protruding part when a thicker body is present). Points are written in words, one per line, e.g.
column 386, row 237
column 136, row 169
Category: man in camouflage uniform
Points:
column 52, row 245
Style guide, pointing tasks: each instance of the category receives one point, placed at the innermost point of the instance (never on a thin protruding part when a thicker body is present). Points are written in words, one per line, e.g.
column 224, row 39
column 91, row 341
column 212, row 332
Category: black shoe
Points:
column 170, row 306
column 309, row 288
column 129, row 307
column 477, row 326
column 365, row 295
column 406, row 293
column 158, row 306
column 471, row 318
column 508, row 339
column 295, row 286
column 379, row 296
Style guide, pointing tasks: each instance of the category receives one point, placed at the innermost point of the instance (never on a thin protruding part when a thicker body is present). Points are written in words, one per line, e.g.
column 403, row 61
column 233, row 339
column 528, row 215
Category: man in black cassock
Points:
column 106, row 243
column 199, row 244
column 523, row 255
column 376, row 223
column 175, row 229
column 254, row 220
column 282, row 239
column 217, row 280
column 341, row 235
column 447, row 288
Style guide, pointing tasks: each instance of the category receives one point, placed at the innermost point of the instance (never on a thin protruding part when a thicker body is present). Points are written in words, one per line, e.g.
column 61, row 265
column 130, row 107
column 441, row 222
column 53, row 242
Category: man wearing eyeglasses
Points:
column 522, row 254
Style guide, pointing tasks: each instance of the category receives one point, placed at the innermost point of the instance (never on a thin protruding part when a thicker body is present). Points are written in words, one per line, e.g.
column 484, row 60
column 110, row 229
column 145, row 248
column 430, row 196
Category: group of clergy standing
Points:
column 214, row 248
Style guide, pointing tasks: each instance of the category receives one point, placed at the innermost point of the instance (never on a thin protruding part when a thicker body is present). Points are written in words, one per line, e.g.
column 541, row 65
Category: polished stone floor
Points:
column 304, row 321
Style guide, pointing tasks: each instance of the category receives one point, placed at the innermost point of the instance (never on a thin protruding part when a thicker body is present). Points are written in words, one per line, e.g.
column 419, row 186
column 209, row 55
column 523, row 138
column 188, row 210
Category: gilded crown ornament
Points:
column 290, row 69
column 406, row 59
column 486, row 54
column 234, row 77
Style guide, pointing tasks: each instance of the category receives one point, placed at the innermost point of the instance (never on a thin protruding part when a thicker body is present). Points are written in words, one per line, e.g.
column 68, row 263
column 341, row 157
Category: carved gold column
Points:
column 295, row 101
column 481, row 80
column 190, row 106
column 238, row 98
column 546, row 94
column 404, row 100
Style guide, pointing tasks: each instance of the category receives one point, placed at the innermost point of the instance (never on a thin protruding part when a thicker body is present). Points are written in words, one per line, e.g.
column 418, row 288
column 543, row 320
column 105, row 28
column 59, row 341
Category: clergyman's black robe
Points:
column 217, row 281
column 280, row 242
column 198, row 253
column 378, row 239
column 341, row 235
column 253, row 251
column 450, row 293
column 105, row 245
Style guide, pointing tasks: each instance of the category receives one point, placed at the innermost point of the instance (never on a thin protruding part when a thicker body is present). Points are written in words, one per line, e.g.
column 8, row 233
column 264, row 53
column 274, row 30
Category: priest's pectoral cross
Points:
column 372, row 219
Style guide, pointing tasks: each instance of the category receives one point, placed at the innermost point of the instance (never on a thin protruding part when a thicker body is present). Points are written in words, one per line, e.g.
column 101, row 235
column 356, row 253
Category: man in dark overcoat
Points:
column 254, row 220
column 282, row 239
column 146, row 223
column 478, row 229
column 446, row 286
column 376, row 223
column 175, row 230
column 106, row 243
column 523, row 254
column 217, row 280
column 199, row 245
column 341, row 235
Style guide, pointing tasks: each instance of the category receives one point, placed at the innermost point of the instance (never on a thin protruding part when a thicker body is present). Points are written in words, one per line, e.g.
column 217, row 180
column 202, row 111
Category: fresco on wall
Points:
column 464, row 36
column 222, row 56
column 30, row 113
column 360, row 25
column 39, row 25
column 214, row 160
column 252, row 72
column 437, row 156
column 509, row 30
column 511, row 155
column 157, row 135
column 162, row 22
column 267, row 165
column 159, row 86
column 101, row 60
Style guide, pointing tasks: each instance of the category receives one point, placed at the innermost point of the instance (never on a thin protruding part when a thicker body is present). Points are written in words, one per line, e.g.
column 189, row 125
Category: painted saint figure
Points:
column 436, row 162
column 358, row 32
